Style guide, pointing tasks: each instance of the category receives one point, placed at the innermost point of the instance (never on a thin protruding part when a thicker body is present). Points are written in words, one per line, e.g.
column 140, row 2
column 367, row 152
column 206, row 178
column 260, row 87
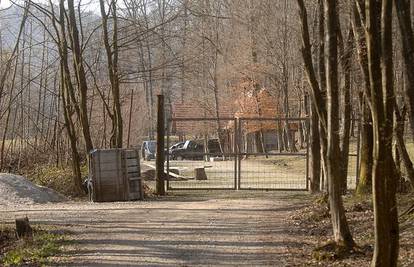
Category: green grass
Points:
column 36, row 251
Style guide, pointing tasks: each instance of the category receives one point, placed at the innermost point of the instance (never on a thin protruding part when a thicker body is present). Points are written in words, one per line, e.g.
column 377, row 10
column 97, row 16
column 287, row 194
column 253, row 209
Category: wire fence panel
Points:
column 244, row 153
column 273, row 153
column 353, row 158
column 201, row 153
column 273, row 172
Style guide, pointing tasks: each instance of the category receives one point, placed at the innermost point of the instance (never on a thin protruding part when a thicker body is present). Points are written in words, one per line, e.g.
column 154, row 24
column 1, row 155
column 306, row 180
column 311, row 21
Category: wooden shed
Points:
column 115, row 175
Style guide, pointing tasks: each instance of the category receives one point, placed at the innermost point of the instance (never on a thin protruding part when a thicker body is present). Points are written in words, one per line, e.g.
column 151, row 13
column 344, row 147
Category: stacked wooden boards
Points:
column 115, row 175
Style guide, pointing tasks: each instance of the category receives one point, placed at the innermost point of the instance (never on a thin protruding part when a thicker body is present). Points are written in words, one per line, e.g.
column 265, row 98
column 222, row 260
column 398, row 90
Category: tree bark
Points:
column 365, row 168
column 402, row 150
column 407, row 36
column 346, row 54
column 112, row 58
column 340, row 226
column 80, row 77
column 315, row 147
column 380, row 63
column 366, row 149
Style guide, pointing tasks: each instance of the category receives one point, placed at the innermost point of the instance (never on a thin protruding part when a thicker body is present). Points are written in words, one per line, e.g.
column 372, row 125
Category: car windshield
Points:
column 152, row 146
column 178, row 145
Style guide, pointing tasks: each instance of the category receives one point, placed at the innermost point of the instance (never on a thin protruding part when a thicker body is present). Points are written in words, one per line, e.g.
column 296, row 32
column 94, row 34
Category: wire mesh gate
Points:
column 202, row 153
column 273, row 153
column 237, row 153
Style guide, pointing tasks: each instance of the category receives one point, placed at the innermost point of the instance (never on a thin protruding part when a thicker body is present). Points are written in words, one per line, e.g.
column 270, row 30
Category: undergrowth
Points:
column 59, row 179
column 35, row 251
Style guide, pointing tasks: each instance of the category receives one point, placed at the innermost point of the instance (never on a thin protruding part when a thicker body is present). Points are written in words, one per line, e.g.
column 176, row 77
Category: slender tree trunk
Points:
column 407, row 36
column 346, row 53
column 317, row 88
column 402, row 150
column 80, row 76
column 112, row 58
column 340, row 226
column 315, row 148
column 366, row 149
column 9, row 109
column 366, row 161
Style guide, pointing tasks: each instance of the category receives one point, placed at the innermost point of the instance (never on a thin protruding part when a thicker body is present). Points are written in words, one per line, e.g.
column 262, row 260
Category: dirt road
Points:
column 199, row 229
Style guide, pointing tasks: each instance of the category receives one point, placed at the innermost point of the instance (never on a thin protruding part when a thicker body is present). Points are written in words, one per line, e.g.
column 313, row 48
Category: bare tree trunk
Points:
column 70, row 128
column 69, row 104
column 330, row 120
column 380, row 63
column 402, row 150
column 9, row 109
column 365, row 168
column 315, row 148
column 366, row 149
column 339, row 223
column 112, row 58
column 80, row 76
column 322, row 88
column 346, row 53
column 317, row 88
column 407, row 36
column 285, row 80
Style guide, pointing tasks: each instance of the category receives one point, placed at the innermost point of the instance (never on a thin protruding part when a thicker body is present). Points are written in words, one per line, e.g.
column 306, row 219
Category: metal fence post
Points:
column 236, row 153
column 159, row 164
column 239, row 145
column 307, row 153
column 357, row 153
column 167, row 154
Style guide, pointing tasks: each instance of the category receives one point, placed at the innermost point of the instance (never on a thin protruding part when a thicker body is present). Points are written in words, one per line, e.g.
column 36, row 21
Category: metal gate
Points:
column 237, row 153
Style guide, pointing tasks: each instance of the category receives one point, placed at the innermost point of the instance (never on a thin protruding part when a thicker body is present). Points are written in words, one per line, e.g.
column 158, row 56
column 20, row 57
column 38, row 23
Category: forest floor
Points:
column 215, row 228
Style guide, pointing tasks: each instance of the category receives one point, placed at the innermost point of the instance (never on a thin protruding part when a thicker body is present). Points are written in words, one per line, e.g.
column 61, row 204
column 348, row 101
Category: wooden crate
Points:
column 115, row 175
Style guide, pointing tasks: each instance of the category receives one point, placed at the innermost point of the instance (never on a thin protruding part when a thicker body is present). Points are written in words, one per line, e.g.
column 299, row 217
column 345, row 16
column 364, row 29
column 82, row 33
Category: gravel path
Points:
column 15, row 190
column 213, row 229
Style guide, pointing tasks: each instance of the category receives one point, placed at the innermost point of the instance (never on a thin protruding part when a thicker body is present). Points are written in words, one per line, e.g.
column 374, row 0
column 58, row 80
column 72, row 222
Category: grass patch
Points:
column 59, row 179
column 32, row 252
column 332, row 251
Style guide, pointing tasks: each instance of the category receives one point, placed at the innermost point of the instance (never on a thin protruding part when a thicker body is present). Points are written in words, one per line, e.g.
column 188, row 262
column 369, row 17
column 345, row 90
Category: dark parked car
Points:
column 194, row 150
column 148, row 150
column 176, row 146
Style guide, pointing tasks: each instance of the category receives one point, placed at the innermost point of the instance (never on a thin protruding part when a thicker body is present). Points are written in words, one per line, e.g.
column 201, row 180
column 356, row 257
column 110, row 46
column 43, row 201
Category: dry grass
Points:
column 59, row 179
column 313, row 223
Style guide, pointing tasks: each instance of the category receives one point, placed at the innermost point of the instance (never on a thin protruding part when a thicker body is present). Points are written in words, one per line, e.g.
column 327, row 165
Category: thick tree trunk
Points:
column 379, row 44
